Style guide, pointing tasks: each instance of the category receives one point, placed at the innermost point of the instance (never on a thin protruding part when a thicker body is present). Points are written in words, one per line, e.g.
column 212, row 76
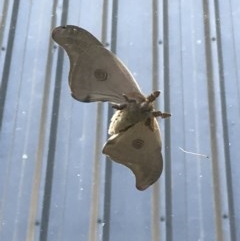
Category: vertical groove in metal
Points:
column 155, row 214
column 94, row 212
column 104, row 21
column 225, row 125
column 52, row 139
column 155, row 60
column 8, row 59
column 51, row 151
column 167, row 142
column 108, row 171
column 39, row 155
column 212, row 120
column 114, row 26
column 94, row 208
column 3, row 20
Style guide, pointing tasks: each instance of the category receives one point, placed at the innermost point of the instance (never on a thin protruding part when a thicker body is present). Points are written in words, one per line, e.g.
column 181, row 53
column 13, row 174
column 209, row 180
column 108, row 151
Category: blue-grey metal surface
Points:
column 54, row 182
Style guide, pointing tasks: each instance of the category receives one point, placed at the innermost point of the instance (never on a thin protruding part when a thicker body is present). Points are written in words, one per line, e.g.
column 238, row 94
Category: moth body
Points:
column 136, row 109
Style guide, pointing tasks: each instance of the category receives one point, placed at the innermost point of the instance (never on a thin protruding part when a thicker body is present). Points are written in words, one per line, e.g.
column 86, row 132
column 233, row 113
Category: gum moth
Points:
column 96, row 74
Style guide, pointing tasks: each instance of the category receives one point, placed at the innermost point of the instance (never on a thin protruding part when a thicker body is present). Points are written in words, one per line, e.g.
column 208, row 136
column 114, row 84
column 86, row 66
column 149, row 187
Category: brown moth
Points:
column 96, row 74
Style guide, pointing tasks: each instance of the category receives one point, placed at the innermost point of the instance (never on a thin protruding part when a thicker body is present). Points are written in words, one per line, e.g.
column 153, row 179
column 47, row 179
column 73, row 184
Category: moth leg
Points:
column 119, row 106
column 150, row 123
column 161, row 114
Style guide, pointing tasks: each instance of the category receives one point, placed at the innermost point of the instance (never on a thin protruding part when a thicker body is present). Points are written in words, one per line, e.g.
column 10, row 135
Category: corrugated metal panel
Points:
column 54, row 182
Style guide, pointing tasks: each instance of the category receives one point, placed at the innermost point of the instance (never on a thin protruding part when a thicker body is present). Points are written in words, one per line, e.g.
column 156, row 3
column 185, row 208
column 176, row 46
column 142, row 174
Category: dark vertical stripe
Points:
column 107, row 195
column 108, row 171
column 167, row 140
column 114, row 26
column 225, row 125
column 51, row 151
column 104, row 22
column 8, row 59
column 52, row 139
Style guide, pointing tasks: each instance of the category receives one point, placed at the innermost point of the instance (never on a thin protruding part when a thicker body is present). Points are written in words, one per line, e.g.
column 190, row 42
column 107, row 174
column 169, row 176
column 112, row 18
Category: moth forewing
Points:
column 96, row 74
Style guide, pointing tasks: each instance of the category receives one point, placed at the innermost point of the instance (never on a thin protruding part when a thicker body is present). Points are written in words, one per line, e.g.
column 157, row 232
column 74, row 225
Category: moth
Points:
column 96, row 74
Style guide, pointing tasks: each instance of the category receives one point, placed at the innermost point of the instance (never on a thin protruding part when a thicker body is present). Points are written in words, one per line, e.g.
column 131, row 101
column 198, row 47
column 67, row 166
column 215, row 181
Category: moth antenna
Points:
column 153, row 96
column 161, row 114
column 156, row 93
column 119, row 106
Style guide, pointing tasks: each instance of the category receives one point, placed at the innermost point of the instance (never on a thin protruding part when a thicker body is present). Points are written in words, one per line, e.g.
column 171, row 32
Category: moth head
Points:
column 146, row 106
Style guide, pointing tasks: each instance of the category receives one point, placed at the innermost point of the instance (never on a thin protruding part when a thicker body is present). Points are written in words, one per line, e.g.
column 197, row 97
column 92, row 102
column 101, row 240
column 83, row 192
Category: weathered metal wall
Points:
column 54, row 182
